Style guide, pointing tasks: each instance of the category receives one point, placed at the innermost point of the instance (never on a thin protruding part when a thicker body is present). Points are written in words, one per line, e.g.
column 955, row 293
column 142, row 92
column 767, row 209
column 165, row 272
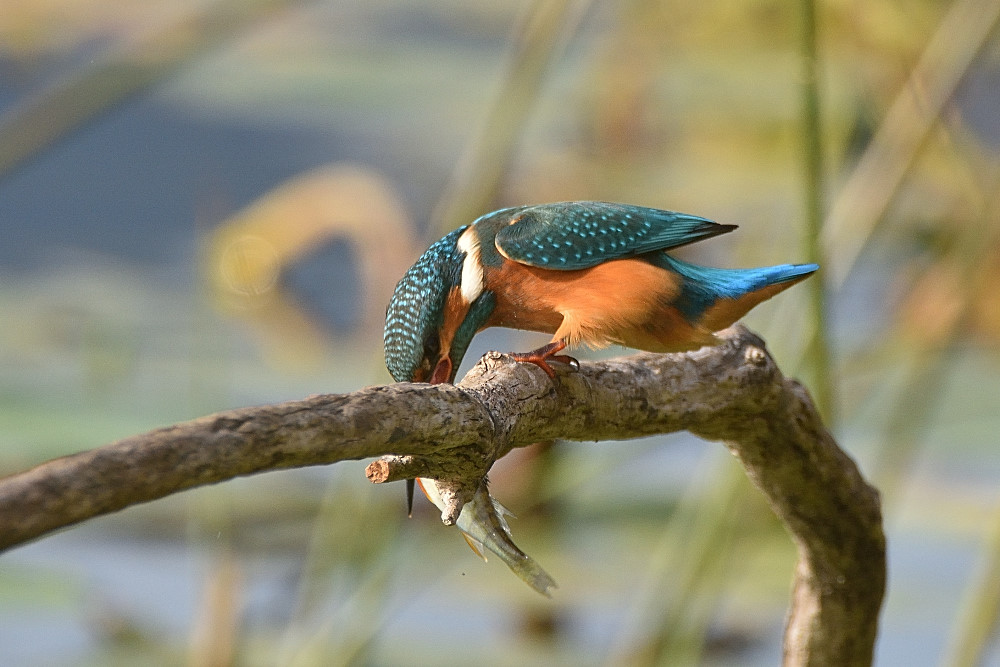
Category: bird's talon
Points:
column 566, row 359
column 543, row 355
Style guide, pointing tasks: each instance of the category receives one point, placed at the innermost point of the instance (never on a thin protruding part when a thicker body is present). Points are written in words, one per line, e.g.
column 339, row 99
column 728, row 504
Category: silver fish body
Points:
column 483, row 524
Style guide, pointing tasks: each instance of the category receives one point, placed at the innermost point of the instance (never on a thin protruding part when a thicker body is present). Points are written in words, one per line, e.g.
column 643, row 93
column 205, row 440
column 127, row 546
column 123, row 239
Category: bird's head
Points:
column 416, row 315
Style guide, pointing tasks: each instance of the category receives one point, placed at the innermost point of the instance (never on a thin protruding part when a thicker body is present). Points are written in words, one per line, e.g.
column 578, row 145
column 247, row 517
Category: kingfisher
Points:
column 587, row 272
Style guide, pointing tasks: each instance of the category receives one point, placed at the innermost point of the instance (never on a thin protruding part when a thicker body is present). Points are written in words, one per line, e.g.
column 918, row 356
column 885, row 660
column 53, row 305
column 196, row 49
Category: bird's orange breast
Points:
column 623, row 301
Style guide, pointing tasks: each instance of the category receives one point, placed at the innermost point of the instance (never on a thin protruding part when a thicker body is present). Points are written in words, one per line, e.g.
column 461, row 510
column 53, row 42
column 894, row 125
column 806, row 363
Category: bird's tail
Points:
column 718, row 297
column 752, row 280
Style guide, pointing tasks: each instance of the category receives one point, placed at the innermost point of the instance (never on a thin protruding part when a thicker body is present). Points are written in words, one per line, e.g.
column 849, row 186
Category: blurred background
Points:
column 205, row 205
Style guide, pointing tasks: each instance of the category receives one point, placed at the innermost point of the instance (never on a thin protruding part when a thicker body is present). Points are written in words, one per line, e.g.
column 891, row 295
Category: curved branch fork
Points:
column 733, row 392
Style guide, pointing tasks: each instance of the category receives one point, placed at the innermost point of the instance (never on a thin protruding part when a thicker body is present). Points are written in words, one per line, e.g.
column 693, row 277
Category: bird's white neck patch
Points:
column 472, row 266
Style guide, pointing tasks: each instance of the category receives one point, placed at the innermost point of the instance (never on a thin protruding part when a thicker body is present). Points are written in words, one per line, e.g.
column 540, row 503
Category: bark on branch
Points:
column 733, row 392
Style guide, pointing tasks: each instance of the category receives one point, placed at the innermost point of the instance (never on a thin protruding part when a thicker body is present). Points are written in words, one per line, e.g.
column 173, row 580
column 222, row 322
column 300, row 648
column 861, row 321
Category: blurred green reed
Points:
column 818, row 356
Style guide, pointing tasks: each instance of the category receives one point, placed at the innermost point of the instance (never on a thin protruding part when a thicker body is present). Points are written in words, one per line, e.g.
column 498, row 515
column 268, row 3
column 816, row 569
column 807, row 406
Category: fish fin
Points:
column 476, row 546
column 502, row 514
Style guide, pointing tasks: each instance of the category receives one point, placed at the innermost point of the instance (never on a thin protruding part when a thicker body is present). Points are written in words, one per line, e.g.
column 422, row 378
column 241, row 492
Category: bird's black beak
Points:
column 410, row 484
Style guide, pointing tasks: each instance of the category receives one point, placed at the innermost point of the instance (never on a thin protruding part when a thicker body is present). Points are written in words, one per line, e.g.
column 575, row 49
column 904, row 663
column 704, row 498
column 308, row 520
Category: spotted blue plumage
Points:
column 416, row 309
column 578, row 235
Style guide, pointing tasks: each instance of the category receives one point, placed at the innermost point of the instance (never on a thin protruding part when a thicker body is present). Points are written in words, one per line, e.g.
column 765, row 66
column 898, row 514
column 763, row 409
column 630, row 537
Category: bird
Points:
column 588, row 273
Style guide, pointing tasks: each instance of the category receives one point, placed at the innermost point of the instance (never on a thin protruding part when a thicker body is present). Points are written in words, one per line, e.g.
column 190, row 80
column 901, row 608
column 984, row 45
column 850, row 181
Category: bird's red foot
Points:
column 543, row 355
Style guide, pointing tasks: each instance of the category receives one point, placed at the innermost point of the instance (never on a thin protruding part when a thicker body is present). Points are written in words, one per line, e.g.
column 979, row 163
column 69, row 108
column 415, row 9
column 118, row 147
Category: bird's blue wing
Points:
column 578, row 235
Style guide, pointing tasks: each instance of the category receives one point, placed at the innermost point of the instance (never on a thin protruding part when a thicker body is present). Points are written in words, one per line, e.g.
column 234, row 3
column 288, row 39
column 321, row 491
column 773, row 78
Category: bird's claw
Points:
column 568, row 360
column 543, row 355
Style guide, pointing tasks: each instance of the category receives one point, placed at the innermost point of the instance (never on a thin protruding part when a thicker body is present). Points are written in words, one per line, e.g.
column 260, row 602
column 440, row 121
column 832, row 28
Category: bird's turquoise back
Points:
column 566, row 236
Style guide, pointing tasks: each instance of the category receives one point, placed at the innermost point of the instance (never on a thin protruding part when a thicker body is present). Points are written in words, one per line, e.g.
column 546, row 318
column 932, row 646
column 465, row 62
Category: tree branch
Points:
column 733, row 392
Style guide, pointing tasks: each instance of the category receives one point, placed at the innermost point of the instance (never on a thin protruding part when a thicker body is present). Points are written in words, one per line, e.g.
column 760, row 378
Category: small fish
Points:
column 483, row 524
